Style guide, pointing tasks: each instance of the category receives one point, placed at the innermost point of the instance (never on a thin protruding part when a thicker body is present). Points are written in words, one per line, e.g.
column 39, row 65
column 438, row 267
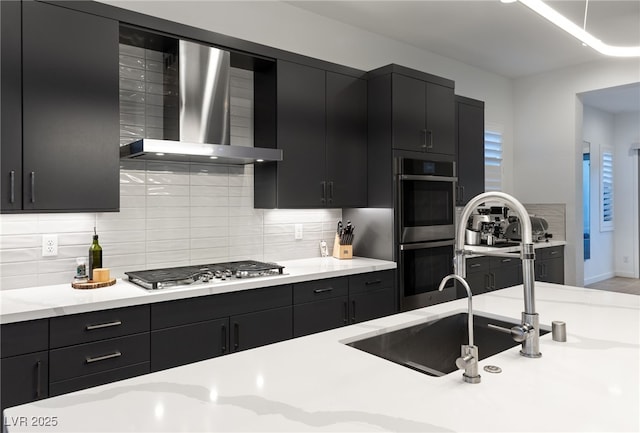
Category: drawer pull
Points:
column 115, row 354
column 39, row 379
column 328, row 289
column 223, row 332
column 12, row 181
column 475, row 265
column 370, row 283
column 506, row 260
column 103, row 325
column 554, row 252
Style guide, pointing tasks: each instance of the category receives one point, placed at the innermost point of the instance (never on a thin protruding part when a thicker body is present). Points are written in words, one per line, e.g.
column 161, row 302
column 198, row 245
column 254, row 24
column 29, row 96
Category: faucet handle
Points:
column 464, row 361
column 468, row 362
column 519, row 333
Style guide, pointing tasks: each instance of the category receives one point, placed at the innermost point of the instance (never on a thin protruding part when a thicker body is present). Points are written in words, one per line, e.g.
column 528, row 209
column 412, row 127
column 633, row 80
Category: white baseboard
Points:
column 626, row 274
column 598, row 278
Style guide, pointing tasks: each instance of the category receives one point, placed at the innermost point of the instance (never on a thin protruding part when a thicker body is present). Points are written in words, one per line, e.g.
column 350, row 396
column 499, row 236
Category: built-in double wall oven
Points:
column 425, row 230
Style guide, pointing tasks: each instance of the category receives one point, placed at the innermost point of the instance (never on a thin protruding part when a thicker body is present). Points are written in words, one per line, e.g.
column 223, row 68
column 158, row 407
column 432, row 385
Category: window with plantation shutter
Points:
column 606, row 190
column 492, row 160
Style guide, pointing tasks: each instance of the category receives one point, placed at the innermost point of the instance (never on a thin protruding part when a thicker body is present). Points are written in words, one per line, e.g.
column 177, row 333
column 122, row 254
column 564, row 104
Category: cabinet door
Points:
column 346, row 145
column 70, row 110
column 479, row 282
column 10, row 112
column 506, row 272
column 260, row 328
column 25, row 378
column 550, row 270
column 470, row 150
column 371, row 305
column 408, row 113
column 318, row 316
column 440, row 124
column 185, row 344
column 301, row 136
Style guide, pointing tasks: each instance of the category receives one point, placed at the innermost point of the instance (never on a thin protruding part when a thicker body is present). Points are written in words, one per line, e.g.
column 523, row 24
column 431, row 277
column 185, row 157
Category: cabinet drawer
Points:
column 84, row 382
column 90, row 358
column 371, row 281
column 98, row 325
column 549, row 252
column 478, row 264
column 24, row 337
column 199, row 309
column 320, row 289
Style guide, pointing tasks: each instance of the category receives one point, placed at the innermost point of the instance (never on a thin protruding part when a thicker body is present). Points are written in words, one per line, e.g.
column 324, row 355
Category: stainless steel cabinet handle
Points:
column 345, row 317
column 327, row 289
column 461, row 192
column 12, row 182
column 236, row 336
column 475, row 265
column 38, row 379
column 369, row 283
column 223, row 349
column 423, row 132
column 103, row 357
column 353, row 311
column 103, row 325
column 430, row 132
column 32, row 176
column 554, row 252
column 323, row 198
column 331, row 192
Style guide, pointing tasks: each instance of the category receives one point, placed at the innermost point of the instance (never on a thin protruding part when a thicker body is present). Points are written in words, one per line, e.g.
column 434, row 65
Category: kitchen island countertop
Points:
column 61, row 299
column 591, row 382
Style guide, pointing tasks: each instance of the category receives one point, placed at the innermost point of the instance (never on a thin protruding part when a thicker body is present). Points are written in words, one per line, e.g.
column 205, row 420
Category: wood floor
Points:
column 618, row 284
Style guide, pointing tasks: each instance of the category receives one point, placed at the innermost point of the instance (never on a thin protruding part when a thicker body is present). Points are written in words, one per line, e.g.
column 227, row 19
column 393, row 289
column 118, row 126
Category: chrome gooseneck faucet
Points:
column 468, row 360
column 528, row 332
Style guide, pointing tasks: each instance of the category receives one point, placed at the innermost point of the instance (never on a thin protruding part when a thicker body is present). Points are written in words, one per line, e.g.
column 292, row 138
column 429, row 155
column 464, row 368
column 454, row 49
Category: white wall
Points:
column 548, row 141
column 597, row 129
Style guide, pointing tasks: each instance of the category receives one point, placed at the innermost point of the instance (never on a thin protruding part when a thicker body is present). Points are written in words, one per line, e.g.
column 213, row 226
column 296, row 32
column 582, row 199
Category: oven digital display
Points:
column 429, row 167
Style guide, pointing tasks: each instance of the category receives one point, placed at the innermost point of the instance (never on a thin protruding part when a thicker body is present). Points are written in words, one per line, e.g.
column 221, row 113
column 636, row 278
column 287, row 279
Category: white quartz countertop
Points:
column 56, row 300
column 317, row 383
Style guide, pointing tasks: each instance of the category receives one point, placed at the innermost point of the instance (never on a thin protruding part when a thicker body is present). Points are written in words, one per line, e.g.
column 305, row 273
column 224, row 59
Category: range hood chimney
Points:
column 204, row 77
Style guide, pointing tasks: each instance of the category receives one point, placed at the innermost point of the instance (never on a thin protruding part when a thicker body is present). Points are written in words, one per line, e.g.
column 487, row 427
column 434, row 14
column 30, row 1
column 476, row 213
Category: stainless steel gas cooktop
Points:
column 186, row 275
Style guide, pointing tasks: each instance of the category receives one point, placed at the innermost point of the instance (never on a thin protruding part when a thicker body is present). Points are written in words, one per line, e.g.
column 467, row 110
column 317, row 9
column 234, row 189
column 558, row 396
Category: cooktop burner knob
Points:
column 218, row 274
column 228, row 273
column 242, row 274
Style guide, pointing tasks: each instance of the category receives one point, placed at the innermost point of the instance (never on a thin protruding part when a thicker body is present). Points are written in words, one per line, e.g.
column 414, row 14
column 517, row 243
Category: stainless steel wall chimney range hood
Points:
column 204, row 76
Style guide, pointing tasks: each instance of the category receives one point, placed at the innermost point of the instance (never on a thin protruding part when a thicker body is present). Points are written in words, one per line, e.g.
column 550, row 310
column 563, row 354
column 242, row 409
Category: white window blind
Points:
column 492, row 161
column 606, row 192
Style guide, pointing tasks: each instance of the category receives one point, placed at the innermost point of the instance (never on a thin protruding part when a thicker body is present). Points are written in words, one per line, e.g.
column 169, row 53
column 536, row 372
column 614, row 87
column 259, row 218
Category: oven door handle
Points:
column 422, row 245
column 427, row 177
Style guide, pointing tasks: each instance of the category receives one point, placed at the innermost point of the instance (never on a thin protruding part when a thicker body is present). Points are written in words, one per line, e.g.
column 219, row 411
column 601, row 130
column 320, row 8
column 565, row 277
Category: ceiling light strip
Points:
column 547, row 12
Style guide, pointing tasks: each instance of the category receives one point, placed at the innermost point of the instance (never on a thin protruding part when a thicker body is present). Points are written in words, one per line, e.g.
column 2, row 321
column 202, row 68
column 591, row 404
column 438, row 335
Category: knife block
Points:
column 342, row 251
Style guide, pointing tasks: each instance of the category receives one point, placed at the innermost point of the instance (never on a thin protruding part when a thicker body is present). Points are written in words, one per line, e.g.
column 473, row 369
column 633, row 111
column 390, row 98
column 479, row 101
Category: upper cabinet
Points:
column 469, row 148
column 321, row 127
column 416, row 109
column 64, row 156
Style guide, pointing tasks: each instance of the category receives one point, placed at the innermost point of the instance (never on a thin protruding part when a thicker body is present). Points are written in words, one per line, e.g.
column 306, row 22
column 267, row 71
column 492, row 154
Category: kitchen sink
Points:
column 432, row 347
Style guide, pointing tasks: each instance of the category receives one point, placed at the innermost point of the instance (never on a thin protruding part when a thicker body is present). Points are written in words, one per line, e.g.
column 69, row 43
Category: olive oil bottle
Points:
column 95, row 255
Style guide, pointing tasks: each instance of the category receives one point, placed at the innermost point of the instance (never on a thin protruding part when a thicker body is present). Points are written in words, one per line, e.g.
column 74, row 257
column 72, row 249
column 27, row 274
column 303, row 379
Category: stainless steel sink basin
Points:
column 432, row 347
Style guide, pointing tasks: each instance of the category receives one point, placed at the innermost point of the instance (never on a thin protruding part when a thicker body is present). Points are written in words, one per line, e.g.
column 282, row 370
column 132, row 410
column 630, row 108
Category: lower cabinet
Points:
column 334, row 302
column 485, row 273
column 49, row 357
column 194, row 329
column 550, row 265
column 24, row 362
column 24, row 378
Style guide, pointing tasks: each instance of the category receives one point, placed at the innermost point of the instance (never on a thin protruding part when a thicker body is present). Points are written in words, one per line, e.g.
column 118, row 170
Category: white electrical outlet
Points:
column 49, row 245
column 625, row 259
column 298, row 231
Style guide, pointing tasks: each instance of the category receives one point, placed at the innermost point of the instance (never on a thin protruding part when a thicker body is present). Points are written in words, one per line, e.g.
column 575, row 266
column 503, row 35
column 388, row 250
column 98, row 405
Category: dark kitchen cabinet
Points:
column 469, row 148
column 549, row 265
column 67, row 158
column 194, row 329
column 327, row 304
column 24, row 366
column 90, row 349
column 485, row 274
column 321, row 127
column 411, row 110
